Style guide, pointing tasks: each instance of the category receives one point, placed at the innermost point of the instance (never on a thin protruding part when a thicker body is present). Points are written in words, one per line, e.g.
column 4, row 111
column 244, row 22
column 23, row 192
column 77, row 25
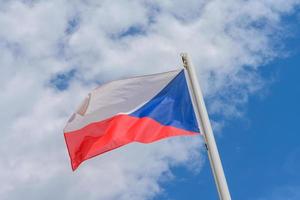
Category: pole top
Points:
column 184, row 57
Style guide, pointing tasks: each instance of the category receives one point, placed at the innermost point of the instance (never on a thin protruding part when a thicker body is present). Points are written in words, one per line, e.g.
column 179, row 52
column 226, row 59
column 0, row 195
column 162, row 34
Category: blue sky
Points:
column 260, row 151
column 246, row 54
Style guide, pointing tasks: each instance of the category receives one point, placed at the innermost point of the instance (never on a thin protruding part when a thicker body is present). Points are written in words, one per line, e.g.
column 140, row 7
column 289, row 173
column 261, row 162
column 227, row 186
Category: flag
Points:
column 141, row 109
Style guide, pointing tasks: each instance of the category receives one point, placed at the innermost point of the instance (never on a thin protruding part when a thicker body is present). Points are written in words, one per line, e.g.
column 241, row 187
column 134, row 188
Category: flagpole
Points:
column 206, row 130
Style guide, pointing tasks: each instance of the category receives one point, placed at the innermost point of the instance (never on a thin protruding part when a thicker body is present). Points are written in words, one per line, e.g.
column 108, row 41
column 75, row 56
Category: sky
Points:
column 260, row 151
column 246, row 55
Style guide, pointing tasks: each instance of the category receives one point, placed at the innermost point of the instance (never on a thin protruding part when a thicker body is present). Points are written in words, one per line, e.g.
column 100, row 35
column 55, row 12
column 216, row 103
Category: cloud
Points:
column 54, row 52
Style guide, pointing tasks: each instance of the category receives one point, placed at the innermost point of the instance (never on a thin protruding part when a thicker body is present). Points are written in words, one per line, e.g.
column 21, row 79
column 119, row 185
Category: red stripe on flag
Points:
column 99, row 137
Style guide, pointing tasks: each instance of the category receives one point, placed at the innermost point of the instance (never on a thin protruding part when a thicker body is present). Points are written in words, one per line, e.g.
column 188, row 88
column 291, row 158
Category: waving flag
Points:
column 140, row 109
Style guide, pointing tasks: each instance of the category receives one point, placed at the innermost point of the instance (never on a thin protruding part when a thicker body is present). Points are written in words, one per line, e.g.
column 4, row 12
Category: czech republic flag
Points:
column 140, row 109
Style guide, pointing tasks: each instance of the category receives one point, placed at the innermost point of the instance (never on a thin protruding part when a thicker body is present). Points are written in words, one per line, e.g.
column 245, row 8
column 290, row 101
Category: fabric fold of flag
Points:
column 141, row 109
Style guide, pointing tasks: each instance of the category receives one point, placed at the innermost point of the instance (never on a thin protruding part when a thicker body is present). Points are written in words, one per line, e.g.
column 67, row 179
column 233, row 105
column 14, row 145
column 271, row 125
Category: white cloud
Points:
column 106, row 40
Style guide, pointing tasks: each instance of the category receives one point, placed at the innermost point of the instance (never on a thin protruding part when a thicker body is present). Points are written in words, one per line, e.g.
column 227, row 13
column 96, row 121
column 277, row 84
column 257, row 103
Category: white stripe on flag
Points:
column 119, row 96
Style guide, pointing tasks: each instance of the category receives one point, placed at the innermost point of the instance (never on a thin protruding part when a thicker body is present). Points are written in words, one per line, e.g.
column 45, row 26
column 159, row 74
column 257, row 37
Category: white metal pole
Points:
column 206, row 129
